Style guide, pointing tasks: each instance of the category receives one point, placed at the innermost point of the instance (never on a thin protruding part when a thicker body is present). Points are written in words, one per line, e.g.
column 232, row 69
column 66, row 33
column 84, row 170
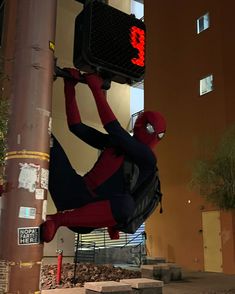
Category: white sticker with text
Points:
column 27, row 212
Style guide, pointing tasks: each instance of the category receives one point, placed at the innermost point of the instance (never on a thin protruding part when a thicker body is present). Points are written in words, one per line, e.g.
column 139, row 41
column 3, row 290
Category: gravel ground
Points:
column 85, row 272
column 192, row 282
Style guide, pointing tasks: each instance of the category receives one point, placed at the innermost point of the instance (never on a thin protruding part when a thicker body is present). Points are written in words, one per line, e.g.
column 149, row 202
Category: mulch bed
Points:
column 85, row 272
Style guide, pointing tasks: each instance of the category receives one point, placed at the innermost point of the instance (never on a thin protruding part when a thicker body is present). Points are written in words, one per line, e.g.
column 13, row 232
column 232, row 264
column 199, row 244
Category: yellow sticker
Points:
column 27, row 264
column 52, row 45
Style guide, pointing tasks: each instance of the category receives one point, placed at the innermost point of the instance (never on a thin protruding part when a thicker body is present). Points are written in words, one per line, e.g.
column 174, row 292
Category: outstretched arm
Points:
column 90, row 135
column 140, row 153
column 87, row 134
column 72, row 112
column 95, row 83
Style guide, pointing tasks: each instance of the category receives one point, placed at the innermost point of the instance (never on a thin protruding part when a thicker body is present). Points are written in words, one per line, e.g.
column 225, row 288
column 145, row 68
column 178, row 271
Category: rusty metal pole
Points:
column 24, row 203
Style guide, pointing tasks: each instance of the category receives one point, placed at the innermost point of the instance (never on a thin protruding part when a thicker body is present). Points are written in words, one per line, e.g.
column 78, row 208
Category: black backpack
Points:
column 147, row 197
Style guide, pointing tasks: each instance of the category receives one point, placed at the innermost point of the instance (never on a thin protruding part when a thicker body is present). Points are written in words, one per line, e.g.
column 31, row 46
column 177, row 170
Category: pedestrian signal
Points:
column 111, row 41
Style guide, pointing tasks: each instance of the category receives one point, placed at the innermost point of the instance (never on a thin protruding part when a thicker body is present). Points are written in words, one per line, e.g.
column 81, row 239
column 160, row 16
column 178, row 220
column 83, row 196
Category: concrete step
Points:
column 154, row 260
column 165, row 272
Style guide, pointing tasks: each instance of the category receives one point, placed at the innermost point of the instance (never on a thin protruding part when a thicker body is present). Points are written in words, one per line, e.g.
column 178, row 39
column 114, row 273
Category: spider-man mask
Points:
column 149, row 128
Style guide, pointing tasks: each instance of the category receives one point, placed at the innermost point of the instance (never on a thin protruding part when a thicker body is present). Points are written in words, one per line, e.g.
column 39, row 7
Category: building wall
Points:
column 177, row 58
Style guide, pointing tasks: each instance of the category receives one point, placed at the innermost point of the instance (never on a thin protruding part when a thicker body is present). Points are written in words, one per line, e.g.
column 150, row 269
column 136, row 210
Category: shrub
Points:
column 215, row 177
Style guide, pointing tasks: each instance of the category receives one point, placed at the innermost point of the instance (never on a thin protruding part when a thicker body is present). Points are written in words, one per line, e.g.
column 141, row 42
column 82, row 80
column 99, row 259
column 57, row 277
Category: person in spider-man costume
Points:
column 99, row 198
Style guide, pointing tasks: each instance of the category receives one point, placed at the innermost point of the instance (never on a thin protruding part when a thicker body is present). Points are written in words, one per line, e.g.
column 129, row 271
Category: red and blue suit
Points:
column 99, row 198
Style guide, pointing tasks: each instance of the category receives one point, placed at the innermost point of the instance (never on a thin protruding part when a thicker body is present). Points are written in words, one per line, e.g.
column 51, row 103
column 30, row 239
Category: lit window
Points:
column 203, row 23
column 206, row 85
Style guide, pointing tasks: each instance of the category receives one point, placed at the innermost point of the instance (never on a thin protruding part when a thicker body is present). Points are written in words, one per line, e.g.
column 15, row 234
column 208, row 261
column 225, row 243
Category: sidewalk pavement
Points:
column 191, row 283
column 202, row 283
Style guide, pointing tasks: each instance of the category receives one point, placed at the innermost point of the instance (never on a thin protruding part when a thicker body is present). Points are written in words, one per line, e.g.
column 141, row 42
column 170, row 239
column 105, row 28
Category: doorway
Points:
column 212, row 241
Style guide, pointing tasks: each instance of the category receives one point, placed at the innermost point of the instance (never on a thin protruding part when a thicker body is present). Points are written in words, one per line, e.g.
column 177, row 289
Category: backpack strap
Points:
column 131, row 174
column 160, row 196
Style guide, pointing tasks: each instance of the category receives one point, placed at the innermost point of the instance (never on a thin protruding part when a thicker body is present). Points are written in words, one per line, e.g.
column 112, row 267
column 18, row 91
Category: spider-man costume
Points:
column 99, row 198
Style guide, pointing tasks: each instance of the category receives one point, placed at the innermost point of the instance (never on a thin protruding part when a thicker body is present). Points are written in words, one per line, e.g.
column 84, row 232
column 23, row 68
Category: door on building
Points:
column 212, row 241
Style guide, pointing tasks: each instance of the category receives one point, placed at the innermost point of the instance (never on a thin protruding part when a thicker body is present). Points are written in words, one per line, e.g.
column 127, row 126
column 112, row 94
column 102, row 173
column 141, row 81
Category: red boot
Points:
column 94, row 215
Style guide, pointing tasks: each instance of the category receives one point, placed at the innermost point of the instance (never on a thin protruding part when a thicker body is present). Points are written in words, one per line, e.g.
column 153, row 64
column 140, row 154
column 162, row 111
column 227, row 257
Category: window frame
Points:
column 203, row 17
column 201, row 93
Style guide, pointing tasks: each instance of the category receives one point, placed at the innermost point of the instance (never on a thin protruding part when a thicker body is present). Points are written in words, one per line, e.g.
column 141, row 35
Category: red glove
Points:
column 113, row 233
column 75, row 76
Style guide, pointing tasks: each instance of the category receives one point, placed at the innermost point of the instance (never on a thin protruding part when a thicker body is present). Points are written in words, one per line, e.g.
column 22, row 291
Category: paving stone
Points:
column 107, row 287
column 176, row 272
column 147, row 271
column 145, row 286
column 87, row 291
column 157, row 271
column 142, row 283
column 165, row 273
column 64, row 291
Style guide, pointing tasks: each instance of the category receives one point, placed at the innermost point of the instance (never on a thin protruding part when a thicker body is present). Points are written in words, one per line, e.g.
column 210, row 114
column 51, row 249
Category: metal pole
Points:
column 24, row 203
column 76, row 260
column 59, row 266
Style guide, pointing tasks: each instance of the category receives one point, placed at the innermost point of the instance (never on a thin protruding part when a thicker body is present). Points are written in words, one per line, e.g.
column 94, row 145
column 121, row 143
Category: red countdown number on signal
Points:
column 137, row 39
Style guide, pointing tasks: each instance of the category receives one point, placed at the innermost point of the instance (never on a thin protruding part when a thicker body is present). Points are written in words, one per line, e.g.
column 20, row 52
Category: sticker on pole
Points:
column 39, row 194
column 29, row 176
column 28, row 236
column 27, row 212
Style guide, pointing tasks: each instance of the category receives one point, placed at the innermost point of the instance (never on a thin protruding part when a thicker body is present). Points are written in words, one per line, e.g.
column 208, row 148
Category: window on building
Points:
column 206, row 85
column 203, row 23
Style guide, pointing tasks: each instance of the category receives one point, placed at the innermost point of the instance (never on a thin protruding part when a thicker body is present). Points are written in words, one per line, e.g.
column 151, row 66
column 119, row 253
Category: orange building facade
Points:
column 190, row 231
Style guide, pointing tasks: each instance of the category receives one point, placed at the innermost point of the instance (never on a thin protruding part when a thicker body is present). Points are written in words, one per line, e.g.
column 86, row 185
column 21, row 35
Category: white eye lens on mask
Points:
column 150, row 128
column 160, row 135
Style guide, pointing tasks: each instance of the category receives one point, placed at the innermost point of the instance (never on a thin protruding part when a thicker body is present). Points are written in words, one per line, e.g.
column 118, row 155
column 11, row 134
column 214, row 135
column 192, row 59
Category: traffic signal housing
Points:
column 111, row 42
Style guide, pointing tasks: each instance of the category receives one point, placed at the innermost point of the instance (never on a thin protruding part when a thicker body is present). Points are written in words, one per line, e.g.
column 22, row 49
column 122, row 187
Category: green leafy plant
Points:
column 215, row 177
